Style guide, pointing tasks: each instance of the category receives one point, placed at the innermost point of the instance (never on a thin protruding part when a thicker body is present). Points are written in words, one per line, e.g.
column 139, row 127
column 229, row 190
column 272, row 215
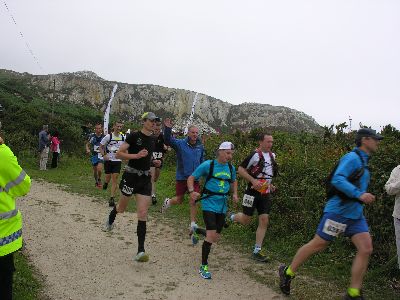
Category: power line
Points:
column 23, row 38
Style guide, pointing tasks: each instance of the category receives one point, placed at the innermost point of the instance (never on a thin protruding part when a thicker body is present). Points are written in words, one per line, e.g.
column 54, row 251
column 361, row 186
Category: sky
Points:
column 330, row 59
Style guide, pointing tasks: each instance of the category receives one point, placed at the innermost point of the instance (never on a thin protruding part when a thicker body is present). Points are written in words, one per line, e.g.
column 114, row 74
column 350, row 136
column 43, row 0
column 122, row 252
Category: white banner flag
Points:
column 108, row 109
column 191, row 114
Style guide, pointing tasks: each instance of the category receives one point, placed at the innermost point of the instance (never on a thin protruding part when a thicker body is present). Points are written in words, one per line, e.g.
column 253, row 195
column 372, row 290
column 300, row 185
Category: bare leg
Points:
column 363, row 243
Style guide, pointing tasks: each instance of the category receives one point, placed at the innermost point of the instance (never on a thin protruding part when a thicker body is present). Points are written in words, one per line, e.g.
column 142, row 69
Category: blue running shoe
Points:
column 204, row 272
column 195, row 238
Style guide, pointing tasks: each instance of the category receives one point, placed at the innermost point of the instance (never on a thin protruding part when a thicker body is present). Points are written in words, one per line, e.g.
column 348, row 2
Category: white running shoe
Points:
column 165, row 205
column 107, row 226
column 142, row 257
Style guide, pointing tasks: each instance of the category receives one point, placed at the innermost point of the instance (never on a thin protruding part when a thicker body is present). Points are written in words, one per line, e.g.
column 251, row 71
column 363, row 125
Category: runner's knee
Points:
column 263, row 220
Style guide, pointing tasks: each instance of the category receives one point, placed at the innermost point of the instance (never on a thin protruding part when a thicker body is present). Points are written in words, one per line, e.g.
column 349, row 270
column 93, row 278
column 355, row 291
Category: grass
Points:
column 325, row 276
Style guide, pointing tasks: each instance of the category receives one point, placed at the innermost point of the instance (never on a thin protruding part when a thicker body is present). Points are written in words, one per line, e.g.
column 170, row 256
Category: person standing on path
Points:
column 55, row 149
column 158, row 154
column 392, row 187
column 343, row 213
column 258, row 169
column 189, row 155
column 92, row 146
column 44, row 142
column 109, row 146
column 14, row 182
column 220, row 179
column 136, row 180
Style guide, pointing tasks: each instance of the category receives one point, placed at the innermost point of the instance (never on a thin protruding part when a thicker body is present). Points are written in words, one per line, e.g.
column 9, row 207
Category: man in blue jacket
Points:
column 189, row 155
column 343, row 213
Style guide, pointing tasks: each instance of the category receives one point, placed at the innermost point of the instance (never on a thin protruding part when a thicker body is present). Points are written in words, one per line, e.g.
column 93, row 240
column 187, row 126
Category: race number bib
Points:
column 333, row 228
column 96, row 148
column 157, row 155
column 248, row 200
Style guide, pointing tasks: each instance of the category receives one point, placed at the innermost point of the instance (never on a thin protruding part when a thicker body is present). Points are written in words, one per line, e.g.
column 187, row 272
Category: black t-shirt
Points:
column 159, row 150
column 138, row 141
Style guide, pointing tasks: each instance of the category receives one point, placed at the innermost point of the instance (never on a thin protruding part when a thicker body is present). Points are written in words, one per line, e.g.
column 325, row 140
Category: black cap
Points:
column 368, row 132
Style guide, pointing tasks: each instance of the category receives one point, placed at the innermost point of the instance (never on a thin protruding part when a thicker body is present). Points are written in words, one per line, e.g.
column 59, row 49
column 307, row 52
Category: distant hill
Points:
column 131, row 100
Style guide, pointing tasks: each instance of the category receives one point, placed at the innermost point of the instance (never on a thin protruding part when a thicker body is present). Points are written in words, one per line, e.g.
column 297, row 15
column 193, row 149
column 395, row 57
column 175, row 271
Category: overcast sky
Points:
column 329, row 59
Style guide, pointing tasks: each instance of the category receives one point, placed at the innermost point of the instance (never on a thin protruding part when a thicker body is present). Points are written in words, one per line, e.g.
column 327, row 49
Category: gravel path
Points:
column 64, row 241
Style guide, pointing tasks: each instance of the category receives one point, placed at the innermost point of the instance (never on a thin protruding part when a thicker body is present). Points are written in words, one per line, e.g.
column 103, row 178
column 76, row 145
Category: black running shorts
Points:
column 213, row 220
column 111, row 167
column 253, row 200
column 133, row 184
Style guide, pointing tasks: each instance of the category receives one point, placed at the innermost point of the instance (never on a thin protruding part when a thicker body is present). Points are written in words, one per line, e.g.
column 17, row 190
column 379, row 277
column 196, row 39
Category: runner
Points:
column 136, row 180
column 109, row 145
column 258, row 169
column 220, row 177
column 92, row 146
column 158, row 154
column 343, row 213
column 189, row 155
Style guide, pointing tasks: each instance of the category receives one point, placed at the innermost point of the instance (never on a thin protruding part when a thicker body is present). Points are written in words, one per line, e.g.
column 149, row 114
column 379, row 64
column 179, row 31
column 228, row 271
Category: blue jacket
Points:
column 188, row 157
column 348, row 164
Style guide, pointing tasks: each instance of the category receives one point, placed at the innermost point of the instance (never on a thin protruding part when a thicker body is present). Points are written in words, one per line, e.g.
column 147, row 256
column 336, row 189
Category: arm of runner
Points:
column 193, row 195
column 347, row 166
column 234, row 188
column 169, row 139
column 392, row 186
column 122, row 153
column 87, row 147
column 255, row 183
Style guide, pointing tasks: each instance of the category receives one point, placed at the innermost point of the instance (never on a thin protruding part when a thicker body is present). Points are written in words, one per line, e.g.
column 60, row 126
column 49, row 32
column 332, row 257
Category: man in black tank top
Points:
column 158, row 154
column 136, row 180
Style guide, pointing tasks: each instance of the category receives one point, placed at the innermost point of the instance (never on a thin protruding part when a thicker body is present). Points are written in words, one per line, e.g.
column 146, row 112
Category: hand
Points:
column 142, row 153
column 235, row 198
column 193, row 197
column 87, row 151
column 157, row 163
column 272, row 188
column 256, row 184
column 367, row 198
column 105, row 157
column 167, row 122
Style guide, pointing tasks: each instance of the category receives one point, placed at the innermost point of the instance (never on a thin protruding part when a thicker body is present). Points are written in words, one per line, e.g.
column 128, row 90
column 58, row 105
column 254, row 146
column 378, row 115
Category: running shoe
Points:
column 194, row 237
column 348, row 297
column 153, row 199
column 105, row 185
column 204, row 273
column 111, row 202
column 107, row 226
column 260, row 256
column 165, row 205
column 142, row 257
column 284, row 280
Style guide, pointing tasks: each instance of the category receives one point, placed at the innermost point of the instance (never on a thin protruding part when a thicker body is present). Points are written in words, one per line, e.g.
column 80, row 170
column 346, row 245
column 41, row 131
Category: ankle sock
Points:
column 289, row 272
column 353, row 292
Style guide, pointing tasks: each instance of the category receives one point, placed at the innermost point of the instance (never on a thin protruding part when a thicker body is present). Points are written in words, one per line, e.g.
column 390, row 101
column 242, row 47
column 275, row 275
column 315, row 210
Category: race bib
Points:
column 96, row 148
column 248, row 200
column 157, row 155
column 333, row 228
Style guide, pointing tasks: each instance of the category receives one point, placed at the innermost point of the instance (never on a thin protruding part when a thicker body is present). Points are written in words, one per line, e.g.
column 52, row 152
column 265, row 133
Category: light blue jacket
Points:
column 348, row 164
column 188, row 157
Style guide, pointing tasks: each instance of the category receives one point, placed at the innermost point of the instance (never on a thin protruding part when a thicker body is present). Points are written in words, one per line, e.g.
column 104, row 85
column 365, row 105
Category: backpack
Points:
column 210, row 175
column 354, row 178
column 256, row 170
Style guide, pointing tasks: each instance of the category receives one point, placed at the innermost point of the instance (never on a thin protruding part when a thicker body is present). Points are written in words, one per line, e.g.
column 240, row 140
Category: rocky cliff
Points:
column 131, row 100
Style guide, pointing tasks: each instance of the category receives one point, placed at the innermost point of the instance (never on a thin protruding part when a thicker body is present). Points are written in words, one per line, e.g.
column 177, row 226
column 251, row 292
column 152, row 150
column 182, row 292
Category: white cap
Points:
column 226, row 146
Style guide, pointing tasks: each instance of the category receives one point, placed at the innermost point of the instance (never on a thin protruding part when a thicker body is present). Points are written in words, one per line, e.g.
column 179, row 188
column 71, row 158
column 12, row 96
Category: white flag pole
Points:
column 108, row 109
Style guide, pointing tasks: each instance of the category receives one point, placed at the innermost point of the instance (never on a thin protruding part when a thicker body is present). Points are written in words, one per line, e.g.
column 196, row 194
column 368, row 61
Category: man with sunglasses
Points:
column 136, row 180
column 347, row 195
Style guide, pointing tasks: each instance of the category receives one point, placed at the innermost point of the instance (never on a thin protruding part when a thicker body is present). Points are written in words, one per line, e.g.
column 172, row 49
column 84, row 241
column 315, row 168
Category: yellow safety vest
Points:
column 14, row 182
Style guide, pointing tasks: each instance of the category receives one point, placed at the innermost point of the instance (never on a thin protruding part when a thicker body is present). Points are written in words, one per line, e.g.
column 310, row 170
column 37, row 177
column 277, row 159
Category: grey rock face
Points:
column 131, row 100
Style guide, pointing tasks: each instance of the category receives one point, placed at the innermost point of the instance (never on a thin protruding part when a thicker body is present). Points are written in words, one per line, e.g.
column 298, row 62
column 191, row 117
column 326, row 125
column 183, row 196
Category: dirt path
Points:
column 79, row 261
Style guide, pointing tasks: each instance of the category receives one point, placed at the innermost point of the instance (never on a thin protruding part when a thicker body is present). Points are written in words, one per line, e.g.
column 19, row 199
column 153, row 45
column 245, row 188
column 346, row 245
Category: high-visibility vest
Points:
column 14, row 182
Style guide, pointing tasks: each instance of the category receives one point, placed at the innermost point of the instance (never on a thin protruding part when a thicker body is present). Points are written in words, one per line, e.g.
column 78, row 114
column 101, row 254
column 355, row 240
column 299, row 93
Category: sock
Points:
column 353, row 292
column 257, row 249
column 232, row 217
column 113, row 214
column 141, row 234
column 289, row 272
column 205, row 251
